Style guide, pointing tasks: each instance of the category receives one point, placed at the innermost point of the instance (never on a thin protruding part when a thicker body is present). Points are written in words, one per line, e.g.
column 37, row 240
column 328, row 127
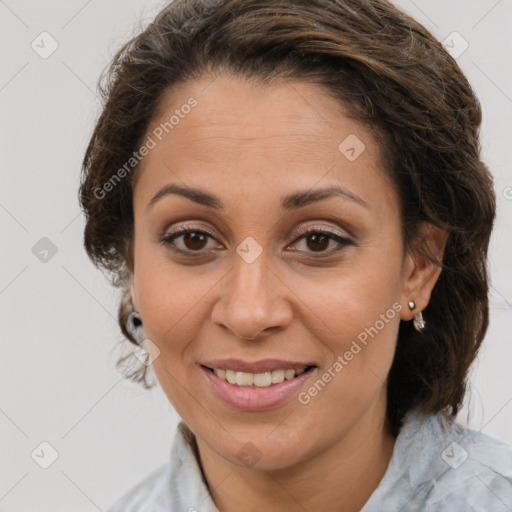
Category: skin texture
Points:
column 250, row 145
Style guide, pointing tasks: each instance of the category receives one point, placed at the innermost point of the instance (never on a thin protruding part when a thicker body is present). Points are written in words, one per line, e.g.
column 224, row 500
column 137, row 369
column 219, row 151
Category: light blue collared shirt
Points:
column 435, row 466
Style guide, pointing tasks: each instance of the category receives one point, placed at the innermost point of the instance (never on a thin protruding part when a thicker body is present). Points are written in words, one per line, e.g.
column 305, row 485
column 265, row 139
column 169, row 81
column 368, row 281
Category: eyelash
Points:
column 168, row 240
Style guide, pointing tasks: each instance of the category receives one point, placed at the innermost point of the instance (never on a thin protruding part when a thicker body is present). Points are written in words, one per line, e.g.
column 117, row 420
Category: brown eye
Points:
column 190, row 241
column 195, row 240
column 318, row 242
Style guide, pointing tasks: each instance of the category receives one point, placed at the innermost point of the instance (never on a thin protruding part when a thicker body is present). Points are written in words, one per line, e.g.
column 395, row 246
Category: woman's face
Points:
column 247, row 286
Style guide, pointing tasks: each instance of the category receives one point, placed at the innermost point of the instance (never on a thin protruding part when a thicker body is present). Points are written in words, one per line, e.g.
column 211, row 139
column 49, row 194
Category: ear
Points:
column 132, row 292
column 129, row 260
column 419, row 273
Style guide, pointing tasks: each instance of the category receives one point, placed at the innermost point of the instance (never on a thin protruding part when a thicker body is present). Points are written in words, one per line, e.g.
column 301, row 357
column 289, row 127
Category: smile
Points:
column 262, row 380
column 247, row 391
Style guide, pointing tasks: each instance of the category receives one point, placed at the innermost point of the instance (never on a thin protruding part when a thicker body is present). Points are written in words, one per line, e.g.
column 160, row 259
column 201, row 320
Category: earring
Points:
column 419, row 323
column 135, row 328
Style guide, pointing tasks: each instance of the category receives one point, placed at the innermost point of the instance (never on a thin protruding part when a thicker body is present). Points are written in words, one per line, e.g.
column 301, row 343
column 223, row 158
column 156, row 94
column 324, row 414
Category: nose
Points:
column 254, row 300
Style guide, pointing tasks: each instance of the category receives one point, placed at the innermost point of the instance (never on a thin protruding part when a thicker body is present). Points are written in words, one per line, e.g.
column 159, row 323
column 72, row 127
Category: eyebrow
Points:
column 291, row 202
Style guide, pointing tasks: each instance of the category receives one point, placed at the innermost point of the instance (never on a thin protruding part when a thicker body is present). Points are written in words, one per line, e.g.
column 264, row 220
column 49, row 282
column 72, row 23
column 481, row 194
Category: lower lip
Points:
column 247, row 398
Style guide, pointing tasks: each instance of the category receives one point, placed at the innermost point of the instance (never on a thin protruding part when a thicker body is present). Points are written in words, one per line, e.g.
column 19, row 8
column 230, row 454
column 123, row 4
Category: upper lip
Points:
column 265, row 365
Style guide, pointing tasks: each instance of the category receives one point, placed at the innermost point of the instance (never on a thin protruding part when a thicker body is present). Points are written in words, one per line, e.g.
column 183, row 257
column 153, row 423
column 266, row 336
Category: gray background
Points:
column 59, row 334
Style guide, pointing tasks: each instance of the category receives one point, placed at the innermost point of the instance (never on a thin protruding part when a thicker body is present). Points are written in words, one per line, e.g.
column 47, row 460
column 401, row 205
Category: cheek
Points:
column 171, row 307
column 352, row 297
column 165, row 290
column 356, row 317
column 173, row 302
column 360, row 325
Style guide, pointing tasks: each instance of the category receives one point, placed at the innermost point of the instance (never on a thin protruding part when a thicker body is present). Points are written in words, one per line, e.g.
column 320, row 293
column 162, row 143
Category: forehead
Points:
column 260, row 137
column 229, row 108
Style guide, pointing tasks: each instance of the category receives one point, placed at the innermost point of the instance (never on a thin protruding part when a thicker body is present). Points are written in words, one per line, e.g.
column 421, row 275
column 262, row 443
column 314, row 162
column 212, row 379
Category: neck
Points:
column 341, row 478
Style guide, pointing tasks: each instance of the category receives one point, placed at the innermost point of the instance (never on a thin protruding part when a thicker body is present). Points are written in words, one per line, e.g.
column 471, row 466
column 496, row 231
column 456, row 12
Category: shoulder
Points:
column 139, row 497
column 175, row 486
column 476, row 469
column 440, row 465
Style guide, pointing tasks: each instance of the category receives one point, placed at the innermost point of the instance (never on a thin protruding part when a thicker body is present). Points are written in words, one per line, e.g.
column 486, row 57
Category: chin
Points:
column 264, row 458
column 263, row 449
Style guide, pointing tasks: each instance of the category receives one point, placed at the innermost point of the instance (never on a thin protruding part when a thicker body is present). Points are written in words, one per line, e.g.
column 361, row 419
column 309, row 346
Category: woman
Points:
column 291, row 198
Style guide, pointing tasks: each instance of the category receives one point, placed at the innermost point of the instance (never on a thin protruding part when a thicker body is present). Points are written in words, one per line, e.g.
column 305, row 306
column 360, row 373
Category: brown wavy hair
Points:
column 393, row 75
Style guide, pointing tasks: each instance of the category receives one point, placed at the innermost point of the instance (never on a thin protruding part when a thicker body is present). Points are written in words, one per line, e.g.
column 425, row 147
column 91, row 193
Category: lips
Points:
column 256, row 398
column 262, row 366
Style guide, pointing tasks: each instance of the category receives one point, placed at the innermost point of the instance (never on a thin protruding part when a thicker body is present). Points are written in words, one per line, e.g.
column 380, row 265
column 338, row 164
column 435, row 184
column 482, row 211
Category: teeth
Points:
column 231, row 376
column 277, row 376
column 220, row 373
column 244, row 379
column 261, row 380
column 289, row 374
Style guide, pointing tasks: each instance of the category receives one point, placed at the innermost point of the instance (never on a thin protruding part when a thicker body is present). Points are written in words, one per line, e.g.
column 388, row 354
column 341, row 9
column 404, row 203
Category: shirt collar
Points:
column 188, row 489
column 418, row 437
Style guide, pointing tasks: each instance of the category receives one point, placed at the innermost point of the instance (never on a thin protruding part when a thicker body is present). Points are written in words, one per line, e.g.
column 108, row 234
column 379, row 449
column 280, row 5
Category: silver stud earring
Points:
column 419, row 323
column 135, row 328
